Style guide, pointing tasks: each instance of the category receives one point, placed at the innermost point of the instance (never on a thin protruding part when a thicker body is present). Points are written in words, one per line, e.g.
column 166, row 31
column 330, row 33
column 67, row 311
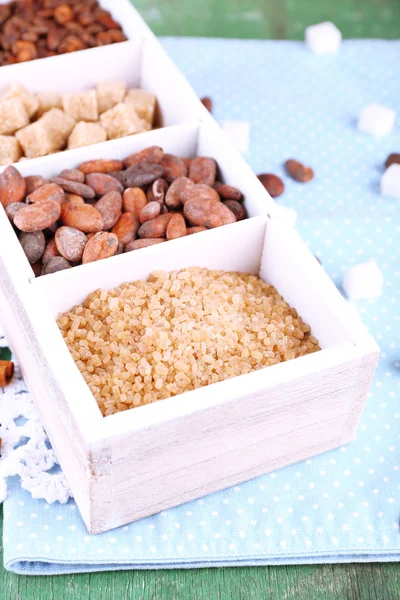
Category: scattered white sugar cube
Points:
column 363, row 281
column 390, row 182
column 238, row 133
column 324, row 38
column 284, row 213
column 376, row 119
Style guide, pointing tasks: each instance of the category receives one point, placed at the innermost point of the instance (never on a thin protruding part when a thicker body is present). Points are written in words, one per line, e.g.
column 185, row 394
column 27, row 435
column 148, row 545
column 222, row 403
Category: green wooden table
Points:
column 246, row 19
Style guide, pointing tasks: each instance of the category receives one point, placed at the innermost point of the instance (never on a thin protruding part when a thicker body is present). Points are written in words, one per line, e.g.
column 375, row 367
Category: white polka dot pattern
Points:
column 340, row 506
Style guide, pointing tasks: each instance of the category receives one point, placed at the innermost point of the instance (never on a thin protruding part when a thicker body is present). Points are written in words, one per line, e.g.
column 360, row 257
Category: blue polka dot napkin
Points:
column 342, row 506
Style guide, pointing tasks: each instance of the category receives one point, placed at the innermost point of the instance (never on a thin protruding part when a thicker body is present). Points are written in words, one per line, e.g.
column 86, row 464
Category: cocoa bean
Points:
column 101, row 166
column 126, row 228
column 70, row 243
column 33, row 244
column 82, row 216
column 174, row 167
column 38, row 216
column 47, row 191
column 73, row 187
column 102, row 183
column 100, row 246
column 145, row 243
column 53, row 265
column 134, row 199
column 110, row 208
column 156, row 228
column 207, row 213
column 203, row 170
column 12, row 186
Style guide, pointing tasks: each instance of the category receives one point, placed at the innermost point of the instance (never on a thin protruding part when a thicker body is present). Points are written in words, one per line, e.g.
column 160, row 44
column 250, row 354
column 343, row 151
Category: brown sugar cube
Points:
column 10, row 150
column 13, row 116
column 35, row 140
column 17, row 90
column 59, row 125
column 120, row 121
column 82, row 106
column 86, row 134
column 47, row 101
column 110, row 93
column 144, row 103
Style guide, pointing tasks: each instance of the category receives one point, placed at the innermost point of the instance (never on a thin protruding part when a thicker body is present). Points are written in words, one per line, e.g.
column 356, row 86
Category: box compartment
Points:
column 157, row 456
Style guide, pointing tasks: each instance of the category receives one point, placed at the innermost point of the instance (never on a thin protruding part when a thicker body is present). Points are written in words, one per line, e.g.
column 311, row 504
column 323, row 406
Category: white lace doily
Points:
column 25, row 449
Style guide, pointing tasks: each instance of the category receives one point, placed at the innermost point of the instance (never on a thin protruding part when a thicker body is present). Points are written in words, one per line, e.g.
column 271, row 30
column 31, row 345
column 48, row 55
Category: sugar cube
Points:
column 238, row 133
column 59, row 125
column 17, row 90
column 85, row 134
column 390, row 182
column 121, row 120
column 110, row 93
column 47, row 135
column 376, row 119
column 284, row 213
column 35, row 140
column 323, row 38
column 363, row 281
column 144, row 103
column 10, row 150
column 13, row 116
column 81, row 106
column 47, row 101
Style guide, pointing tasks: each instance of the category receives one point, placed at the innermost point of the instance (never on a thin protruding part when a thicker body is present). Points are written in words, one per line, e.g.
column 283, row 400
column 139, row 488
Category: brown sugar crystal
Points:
column 149, row 340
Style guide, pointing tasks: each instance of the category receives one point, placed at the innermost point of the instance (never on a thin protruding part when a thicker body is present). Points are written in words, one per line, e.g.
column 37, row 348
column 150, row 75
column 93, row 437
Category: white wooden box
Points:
column 133, row 464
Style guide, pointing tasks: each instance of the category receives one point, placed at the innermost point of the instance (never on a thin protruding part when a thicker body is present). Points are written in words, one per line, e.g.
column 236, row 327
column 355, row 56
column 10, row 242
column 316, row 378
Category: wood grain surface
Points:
column 255, row 19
